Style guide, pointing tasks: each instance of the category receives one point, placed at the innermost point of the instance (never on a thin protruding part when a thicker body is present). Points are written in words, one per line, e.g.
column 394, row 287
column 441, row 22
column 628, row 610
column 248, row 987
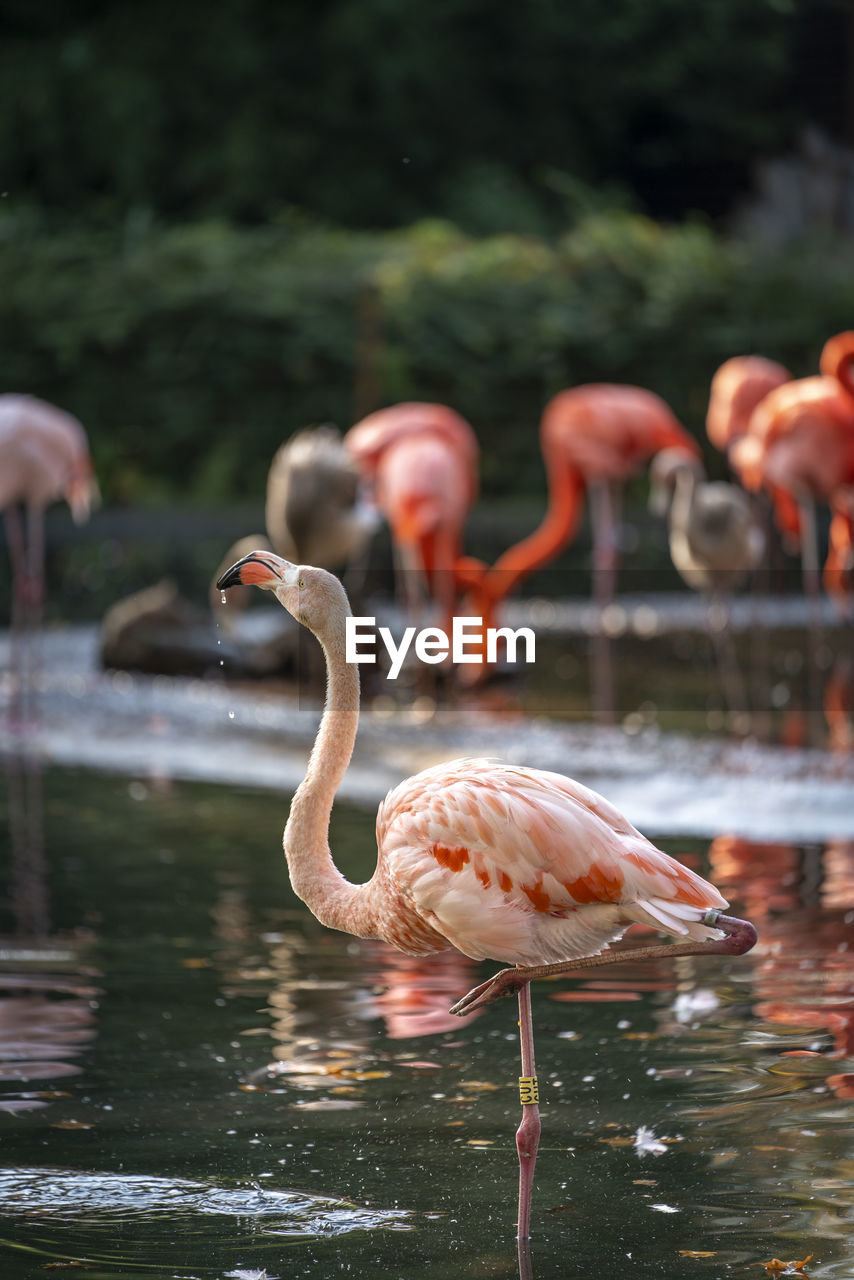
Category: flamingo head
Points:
column 310, row 595
column 665, row 470
column 82, row 492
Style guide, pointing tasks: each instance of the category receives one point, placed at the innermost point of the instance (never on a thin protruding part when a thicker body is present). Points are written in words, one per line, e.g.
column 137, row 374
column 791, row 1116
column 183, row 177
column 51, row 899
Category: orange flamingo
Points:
column 593, row 437
column 738, row 386
column 800, row 440
column 498, row 861
column 44, row 456
column 422, row 460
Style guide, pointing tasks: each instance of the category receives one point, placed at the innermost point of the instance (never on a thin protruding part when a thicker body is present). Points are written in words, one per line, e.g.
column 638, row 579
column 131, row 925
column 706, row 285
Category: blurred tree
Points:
column 190, row 352
column 496, row 113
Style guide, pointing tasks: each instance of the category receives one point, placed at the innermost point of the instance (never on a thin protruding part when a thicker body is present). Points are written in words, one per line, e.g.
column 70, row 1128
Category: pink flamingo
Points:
column 44, row 456
column 422, row 460
column 738, row 386
column 498, row 861
column 593, row 437
column 800, row 440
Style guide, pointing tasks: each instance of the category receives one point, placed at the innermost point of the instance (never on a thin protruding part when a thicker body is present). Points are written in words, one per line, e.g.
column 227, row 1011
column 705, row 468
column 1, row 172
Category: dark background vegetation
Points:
column 221, row 222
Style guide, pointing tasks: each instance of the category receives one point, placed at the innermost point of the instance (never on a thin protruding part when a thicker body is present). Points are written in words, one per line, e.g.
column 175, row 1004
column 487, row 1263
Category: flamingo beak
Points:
column 83, row 493
column 258, row 569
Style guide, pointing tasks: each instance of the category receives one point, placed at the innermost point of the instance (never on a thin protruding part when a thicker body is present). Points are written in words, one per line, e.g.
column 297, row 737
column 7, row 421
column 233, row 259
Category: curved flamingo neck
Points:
column 837, row 360
column 316, row 880
column 684, row 496
column 565, row 507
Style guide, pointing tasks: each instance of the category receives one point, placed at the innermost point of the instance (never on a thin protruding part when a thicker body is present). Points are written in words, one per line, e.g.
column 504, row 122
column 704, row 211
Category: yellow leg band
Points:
column 529, row 1093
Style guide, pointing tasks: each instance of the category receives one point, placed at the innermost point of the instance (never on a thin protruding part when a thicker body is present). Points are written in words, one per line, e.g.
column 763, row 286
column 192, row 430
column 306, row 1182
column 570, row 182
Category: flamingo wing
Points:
column 527, row 866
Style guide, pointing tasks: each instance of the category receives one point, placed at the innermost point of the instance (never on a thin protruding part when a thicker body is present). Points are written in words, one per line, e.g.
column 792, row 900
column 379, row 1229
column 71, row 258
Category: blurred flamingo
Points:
column 495, row 860
column 800, row 440
column 315, row 511
column 595, row 437
column 738, row 386
column 714, row 540
column 44, row 456
column 422, row 461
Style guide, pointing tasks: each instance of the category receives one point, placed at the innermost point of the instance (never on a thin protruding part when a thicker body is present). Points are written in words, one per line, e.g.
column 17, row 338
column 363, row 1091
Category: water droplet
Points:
column 223, row 598
column 231, row 715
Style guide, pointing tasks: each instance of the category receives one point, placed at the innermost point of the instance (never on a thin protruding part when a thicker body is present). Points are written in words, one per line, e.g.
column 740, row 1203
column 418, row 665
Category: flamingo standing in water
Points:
column 592, row 437
column 422, row 460
column 800, row 440
column 738, row 386
column 498, row 861
column 44, row 456
column 714, row 541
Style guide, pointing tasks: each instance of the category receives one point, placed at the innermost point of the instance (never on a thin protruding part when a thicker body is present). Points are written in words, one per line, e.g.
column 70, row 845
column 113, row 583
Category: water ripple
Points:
column 79, row 1197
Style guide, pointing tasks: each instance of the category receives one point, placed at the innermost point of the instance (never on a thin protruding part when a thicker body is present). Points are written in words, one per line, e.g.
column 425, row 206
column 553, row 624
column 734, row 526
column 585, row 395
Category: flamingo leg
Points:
column 810, row 568
column 446, row 550
column 811, row 571
column 410, row 579
column 604, row 516
column 739, row 936
column 18, row 639
column 35, row 603
column 528, row 1133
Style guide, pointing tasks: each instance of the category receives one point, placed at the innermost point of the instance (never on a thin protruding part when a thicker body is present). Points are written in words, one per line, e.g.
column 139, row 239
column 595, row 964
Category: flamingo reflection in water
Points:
column 48, row 1001
column 416, row 991
column 804, row 976
column 499, row 861
column 714, row 542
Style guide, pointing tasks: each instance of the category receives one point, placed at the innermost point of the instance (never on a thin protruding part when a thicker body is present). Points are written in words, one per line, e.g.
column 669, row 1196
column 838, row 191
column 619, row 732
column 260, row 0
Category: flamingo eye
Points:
column 301, row 582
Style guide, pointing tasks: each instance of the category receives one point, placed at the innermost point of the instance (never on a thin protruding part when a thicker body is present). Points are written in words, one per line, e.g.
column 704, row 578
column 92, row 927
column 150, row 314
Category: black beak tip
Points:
column 231, row 577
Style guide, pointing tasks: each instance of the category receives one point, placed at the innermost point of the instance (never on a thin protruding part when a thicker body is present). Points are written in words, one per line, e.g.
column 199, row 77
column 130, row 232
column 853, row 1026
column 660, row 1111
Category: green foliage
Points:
column 377, row 112
column 191, row 352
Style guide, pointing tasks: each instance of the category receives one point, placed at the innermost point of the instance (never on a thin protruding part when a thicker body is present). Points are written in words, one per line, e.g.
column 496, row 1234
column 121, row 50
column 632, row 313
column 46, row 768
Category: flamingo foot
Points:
column 739, row 935
column 507, row 982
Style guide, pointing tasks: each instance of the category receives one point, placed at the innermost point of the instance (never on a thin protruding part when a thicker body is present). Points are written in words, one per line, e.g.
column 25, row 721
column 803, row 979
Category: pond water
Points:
column 198, row 1080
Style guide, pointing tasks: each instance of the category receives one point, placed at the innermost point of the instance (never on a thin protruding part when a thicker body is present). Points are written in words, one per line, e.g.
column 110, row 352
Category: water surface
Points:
column 199, row 1080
